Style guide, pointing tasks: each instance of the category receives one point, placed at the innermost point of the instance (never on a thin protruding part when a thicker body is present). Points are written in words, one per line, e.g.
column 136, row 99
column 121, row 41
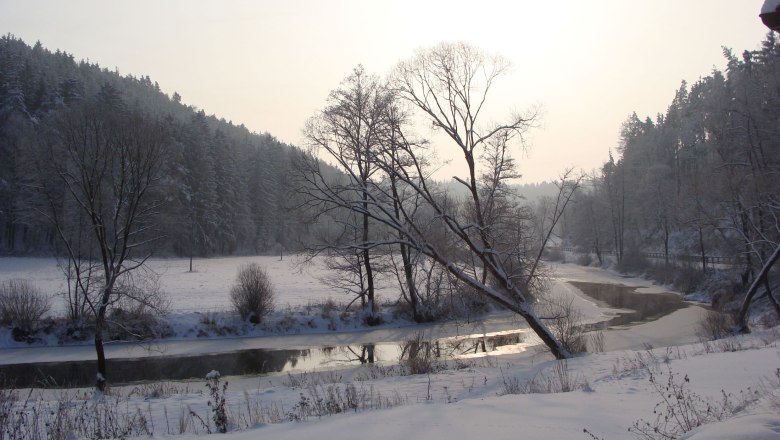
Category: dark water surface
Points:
column 640, row 307
column 249, row 362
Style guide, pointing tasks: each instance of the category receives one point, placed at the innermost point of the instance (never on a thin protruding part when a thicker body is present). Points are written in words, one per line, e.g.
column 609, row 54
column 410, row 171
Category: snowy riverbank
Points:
column 457, row 398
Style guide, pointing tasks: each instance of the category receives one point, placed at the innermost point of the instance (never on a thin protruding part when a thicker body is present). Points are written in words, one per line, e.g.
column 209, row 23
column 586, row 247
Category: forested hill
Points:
column 700, row 179
column 224, row 185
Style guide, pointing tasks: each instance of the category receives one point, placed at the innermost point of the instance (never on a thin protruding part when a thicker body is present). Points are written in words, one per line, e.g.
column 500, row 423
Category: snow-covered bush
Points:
column 585, row 259
column 22, row 306
column 633, row 261
column 253, row 294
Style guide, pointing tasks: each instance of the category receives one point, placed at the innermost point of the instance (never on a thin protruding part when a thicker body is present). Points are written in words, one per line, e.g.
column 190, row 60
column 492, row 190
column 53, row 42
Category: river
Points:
column 499, row 335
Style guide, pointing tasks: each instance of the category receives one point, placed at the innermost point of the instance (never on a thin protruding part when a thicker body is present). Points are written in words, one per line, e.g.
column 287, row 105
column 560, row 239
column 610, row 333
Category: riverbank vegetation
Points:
column 689, row 196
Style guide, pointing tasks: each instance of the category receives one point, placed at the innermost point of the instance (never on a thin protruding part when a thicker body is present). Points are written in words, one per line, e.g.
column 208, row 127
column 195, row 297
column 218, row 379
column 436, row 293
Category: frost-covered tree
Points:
column 700, row 180
column 350, row 131
column 36, row 85
column 448, row 85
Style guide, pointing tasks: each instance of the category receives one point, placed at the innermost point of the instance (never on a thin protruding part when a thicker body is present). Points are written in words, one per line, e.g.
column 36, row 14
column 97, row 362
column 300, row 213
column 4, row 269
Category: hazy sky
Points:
column 271, row 64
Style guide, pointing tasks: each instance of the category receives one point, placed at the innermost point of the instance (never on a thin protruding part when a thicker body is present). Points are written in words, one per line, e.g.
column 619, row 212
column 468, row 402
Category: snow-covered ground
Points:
column 611, row 391
column 205, row 293
column 204, row 289
column 471, row 403
column 466, row 400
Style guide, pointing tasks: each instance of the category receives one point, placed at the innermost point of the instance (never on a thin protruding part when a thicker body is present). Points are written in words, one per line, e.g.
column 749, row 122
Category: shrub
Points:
column 217, row 402
column 633, row 261
column 252, row 295
column 688, row 278
column 595, row 342
column 565, row 322
column 22, row 306
column 139, row 313
column 715, row 325
column 470, row 302
column 585, row 259
column 680, row 409
column 559, row 380
column 555, row 254
column 419, row 356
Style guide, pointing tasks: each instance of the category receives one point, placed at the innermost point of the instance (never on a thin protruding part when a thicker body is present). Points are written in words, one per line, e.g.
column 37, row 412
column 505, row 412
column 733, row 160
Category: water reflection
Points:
column 348, row 354
column 253, row 362
column 637, row 307
column 640, row 308
column 82, row 373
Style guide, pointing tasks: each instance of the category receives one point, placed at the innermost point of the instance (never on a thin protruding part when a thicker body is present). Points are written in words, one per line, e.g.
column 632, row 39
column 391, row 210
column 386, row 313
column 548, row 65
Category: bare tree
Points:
column 553, row 210
column 591, row 219
column 449, row 84
column 103, row 161
column 344, row 261
column 349, row 131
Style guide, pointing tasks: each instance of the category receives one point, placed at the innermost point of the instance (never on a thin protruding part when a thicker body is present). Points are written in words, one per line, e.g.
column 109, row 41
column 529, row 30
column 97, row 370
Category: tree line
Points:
column 225, row 188
column 699, row 179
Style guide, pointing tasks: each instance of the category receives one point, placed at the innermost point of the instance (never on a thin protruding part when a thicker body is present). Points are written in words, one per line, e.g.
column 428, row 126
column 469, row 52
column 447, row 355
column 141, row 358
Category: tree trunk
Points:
column 406, row 259
column 369, row 282
column 101, row 376
column 703, row 251
column 742, row 321
column 192, row 240
column 409, row 276
column 367, row 265
column 555, row 347
column 666, row 243
column 771, row 295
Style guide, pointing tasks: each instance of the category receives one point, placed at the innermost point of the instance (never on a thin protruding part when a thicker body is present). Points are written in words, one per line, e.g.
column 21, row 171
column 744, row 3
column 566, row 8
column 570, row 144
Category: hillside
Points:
column 225, row 186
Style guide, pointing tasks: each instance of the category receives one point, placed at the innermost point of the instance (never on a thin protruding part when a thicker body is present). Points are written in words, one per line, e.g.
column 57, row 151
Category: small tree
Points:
column 253, row 294
column 97, row 164
column 22, row 306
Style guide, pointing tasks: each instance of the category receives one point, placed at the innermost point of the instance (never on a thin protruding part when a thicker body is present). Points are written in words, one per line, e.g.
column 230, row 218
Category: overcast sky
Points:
column 271, row 64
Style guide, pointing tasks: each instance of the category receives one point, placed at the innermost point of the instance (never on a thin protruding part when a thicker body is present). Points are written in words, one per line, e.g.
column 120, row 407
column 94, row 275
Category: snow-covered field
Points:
column 468, row 399
column 204, row 289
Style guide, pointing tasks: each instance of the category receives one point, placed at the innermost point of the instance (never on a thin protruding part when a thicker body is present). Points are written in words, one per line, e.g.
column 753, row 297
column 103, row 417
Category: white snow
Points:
column 204, row 289
column 467, row 401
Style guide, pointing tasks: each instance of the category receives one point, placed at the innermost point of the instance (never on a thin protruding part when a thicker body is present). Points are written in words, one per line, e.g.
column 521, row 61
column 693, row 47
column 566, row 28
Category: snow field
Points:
column 206, row 288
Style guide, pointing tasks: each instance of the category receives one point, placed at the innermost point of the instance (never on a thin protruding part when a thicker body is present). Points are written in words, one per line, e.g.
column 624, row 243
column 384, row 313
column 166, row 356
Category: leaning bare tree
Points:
column 449, row 85
column 101, row 161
